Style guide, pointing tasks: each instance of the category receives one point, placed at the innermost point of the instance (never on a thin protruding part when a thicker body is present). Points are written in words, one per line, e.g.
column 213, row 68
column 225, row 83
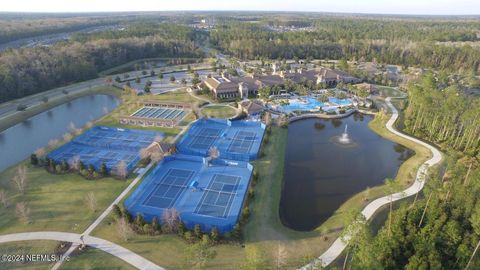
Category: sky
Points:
column 425, row 7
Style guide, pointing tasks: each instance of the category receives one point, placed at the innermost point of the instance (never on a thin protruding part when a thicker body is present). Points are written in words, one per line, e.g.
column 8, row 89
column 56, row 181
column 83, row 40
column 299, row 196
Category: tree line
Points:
column 446, row 116
column 33, row 70
column 345, row 39
column 18, row 27
column 440, row 232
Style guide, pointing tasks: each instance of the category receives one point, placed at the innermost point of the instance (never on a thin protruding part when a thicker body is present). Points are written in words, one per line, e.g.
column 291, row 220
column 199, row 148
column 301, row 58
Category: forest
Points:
column 444, row 116
column 33, row 70
column 15, row 26
column 441, row 231
column 413, row 43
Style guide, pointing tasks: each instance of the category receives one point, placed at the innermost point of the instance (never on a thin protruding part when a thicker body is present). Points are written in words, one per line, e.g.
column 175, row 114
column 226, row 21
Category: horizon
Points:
column 367, row 7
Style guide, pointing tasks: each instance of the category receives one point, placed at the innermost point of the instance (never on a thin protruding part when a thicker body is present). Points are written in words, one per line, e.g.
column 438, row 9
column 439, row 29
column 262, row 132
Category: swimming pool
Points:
column 308, row 103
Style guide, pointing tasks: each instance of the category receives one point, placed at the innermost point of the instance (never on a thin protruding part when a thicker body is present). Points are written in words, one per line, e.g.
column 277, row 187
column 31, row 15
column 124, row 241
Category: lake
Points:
column 19, row 141
column 321, row 174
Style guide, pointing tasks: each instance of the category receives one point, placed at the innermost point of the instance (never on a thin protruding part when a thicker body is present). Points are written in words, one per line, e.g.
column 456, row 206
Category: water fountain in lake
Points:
column 344, row 137
column 343, row 140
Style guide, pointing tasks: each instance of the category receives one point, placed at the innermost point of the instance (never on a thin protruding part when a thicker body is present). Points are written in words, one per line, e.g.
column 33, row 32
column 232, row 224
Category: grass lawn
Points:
column 56, row 202
column 28, row 248
column 168, row 250
column 388, row 91
column 219, row 111
column 93, row 258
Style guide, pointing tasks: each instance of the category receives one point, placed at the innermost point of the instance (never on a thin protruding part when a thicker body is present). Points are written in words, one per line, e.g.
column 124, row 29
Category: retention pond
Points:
column 19, row 141
column 322, row 170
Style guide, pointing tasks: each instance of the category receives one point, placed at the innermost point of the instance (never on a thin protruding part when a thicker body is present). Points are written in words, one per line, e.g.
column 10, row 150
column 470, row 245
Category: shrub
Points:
column 84, row 173
column 244, row 215
column 180, row 228
column 237, row 232
column 58, row 168
column 65, row 166
column 126, row 215
column 251, row 193
column 103, row 169
column 214, row 234
column 188, row 236
column 34, row 159
column 205, row 239
column 197, row 231
column 116, row 211
column 147, row 229
column 139, row 221
column 156, row 225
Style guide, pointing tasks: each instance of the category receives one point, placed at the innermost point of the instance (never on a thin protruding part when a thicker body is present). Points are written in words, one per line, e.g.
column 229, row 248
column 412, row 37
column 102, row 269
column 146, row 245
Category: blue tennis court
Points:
column 166, row 193
column 242, row 142
column 208, row 194
column 218, row 196
column 105, row 145
column 235, row 140
column 204, row 138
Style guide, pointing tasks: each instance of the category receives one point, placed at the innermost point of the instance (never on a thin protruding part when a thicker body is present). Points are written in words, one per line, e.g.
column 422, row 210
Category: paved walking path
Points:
column 105, row 213
column 339, row 245
column 107, row 246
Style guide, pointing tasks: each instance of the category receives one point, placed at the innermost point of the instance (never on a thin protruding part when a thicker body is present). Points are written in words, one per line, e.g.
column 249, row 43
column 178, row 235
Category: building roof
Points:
column 270, row 80
column 310, row 75
column 328, row 74
column 221, row 85
column 251, row 107
column 251, row 83
column 227, row 87
column 212, row 83
column 162, row 147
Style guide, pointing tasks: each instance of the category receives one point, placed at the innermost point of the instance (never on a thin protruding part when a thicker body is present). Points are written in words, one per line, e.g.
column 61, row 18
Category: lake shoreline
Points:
column 21, row 116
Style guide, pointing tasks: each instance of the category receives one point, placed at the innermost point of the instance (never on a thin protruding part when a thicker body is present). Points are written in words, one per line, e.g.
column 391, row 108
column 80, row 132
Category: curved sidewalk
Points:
column 107, row 246
column 340, row 244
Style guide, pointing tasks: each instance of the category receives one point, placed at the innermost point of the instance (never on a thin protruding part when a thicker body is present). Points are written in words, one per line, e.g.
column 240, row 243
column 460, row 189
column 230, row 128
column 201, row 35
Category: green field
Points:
column 388, row 91
column 96, row 259
column 56, row 202
column 219, row 111
column 28, row 248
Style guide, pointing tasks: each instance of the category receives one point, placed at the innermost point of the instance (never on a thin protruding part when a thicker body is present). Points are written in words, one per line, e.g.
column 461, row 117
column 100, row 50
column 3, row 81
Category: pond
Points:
column 19, row 141
column 321, row 173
